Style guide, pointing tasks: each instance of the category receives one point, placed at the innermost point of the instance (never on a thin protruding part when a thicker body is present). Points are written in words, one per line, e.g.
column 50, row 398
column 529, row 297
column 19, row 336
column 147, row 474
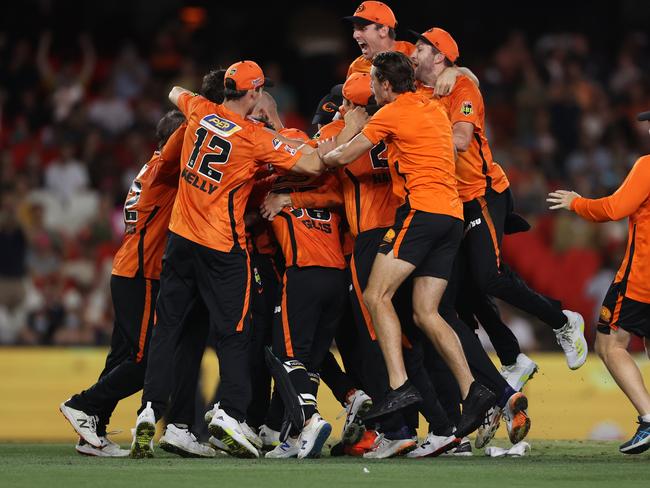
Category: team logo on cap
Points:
column 223, row 127
column 360, row 9
column 605, row 314
column 466, row 108
column 389, row 236
column 232, row 72
column 329, row 107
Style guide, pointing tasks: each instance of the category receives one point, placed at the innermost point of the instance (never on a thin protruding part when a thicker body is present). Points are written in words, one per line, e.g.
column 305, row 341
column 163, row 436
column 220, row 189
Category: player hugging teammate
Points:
column 383, row 231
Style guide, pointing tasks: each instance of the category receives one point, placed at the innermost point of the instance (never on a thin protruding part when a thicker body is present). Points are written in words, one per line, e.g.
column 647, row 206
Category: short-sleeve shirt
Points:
column 363, row 65
column 420, row 146
column 221, row 153
column 147, row 210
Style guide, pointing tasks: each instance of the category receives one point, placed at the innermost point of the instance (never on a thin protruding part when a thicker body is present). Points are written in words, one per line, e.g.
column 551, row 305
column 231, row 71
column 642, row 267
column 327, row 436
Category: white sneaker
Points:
column 250, row 434
column 313, row 437
column 217, row 444
column 270, row 438
column 181, row 441
column 210, row 413
column 386, row 448
column 83, row 424
column 571, row 338
column 108, row 449
column 518, row 374
column 229, row 431
column 434, row 445
column 145, row 429
column 356, row 407
column 464, row 449
column 488, row 428
column 288, row 449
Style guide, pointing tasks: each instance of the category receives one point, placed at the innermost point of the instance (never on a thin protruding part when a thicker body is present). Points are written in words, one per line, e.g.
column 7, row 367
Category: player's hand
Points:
column 325, row 146
column 446, row 81
column 356, row 118
column 273, row 204
column 561, row 199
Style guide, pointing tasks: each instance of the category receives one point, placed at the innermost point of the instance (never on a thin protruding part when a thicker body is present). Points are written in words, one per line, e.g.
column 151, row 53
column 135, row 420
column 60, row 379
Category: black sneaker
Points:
column 640, row 442
column 479, row 400
column 395, row 400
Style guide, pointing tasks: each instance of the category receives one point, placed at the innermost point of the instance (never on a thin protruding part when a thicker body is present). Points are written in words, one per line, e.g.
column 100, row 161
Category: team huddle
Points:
column 382, row 233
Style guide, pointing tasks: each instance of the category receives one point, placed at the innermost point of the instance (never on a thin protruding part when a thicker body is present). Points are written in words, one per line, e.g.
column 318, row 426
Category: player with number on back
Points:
column 206, row 253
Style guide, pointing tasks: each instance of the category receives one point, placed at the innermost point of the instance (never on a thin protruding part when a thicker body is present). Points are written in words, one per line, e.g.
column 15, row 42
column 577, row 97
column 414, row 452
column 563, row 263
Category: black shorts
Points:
column 312, row 303
column 621, row 311
column 426, row 240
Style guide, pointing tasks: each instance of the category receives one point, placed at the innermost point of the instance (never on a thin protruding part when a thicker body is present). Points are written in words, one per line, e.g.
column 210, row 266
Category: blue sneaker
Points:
column 640, row 442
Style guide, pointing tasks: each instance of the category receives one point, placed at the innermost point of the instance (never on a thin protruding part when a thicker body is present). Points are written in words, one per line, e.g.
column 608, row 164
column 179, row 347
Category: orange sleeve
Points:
column 466, row 103
column 271, row 150
column 381, row 125
column 328, row 195
column 332, row 129
column 171, row 155
column 623, row 202
column 187, row 102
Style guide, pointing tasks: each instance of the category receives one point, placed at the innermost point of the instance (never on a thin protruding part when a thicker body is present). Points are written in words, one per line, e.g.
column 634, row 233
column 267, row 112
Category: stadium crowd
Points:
column 76, row 126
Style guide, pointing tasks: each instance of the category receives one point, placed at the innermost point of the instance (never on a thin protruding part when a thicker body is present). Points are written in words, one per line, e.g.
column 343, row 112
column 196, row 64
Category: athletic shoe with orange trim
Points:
column 366, row 444
column 517, row 420
column 357, row 405
column 386, row 448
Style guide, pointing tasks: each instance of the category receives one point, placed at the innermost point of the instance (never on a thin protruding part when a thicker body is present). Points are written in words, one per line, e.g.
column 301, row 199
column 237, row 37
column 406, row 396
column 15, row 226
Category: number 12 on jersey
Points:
column 220, row 151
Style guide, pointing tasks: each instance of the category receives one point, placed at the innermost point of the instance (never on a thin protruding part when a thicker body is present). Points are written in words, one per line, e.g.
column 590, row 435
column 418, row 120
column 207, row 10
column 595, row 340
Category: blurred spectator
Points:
column 66, row 176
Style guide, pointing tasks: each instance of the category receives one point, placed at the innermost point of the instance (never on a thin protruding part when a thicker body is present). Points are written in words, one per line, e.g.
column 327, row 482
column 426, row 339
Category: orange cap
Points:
column 247, row 75
column 357, row 88
column 441, row 40
column 372, row 12
column 296, row 134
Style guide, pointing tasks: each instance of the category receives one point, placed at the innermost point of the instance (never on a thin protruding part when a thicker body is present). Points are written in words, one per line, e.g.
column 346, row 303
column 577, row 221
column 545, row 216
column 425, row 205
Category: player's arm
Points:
column 176, row 92
column 326, row 196
column 463, row 132
column 447, row 79
column 348, row 152
column 622, row 203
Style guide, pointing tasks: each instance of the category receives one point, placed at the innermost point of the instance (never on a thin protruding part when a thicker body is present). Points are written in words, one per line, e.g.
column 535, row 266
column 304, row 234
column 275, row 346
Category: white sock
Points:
column 645, row 418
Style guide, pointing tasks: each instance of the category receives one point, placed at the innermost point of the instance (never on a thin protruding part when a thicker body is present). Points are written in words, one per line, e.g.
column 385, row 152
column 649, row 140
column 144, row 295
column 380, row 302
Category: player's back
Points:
column 147, row 211
column 308, row 236
column 218, row 162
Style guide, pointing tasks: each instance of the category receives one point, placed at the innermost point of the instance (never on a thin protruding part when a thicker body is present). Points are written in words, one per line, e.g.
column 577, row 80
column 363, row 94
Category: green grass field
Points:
column 551, row 463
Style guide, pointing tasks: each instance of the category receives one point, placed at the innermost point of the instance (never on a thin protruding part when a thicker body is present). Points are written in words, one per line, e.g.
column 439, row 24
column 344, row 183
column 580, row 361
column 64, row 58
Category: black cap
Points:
column 328, row 106
column 643, row 116
column 358, row 20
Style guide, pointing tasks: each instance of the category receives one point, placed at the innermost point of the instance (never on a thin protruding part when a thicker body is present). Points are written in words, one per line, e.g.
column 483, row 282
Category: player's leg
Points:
column 179, row 437
column 619, row 317
column 493, row 277
column 224, row 284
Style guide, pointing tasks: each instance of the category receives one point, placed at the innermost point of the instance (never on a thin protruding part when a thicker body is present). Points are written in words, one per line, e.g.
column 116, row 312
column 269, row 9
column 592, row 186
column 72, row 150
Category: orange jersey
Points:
column 631, row 200
column 147, row 210
column 420, row 153
column 221, row 153
column 366, row 185
column 363, row 65
column 475, row 168
column 307, row 236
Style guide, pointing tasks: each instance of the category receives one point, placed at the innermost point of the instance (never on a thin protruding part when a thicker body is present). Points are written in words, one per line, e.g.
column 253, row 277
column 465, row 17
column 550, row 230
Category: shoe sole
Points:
column 316, row 449
column 638, row 448
column 174, row 449
column 483, row 440
column 144, row 433
column 235, row 448
column 519, row 433
column 355, row 430
column 95, row 443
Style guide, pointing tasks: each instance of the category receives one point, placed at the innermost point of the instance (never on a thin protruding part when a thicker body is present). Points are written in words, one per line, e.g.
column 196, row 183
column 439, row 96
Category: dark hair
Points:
column 212, row 86
column 397, row 69
column 167, row 125
column 231, row 92
column 438, row 51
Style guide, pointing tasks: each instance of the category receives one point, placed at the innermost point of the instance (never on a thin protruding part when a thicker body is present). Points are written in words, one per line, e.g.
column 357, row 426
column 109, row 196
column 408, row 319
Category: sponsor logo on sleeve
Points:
column 290, row 150
column 277, row 143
